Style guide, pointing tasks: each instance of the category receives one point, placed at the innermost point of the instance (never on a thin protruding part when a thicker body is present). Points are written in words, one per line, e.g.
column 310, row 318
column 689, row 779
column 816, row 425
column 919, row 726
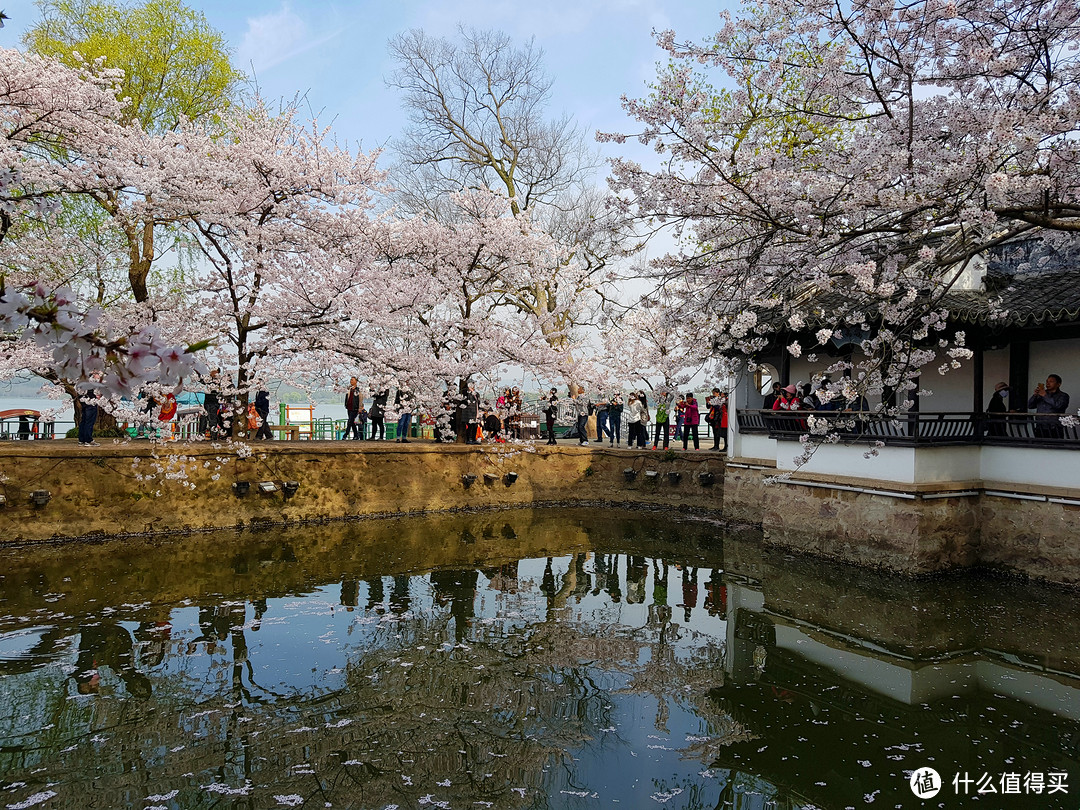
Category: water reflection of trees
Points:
column 432, row 692
column 500, row 704
column 503, row 659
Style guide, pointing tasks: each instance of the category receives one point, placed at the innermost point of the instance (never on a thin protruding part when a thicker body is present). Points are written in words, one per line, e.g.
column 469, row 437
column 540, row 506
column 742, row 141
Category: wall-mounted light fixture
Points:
column 629, row 474
column 289, row 488
column 267, row 487
column 652, row 475
column 510, row 478
column 3, row 500
column 467, row 480
column 490, row 478
column 706, row 478
column 241, row 488
column 674, row 476
column 40, row 497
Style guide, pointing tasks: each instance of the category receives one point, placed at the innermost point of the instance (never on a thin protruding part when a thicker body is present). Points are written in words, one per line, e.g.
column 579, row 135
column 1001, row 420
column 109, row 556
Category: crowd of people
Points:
column 665, row 408
column 1047, row 400
column 672, row 417
column 508, row 417
column 794, row 398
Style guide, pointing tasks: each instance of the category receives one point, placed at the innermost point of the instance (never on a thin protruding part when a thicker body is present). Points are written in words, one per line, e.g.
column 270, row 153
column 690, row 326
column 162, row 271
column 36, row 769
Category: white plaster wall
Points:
column 942, row 464
column 742, row 445
column 1031, row 465
column 952, row 391
column 926, row 465
column 753, row 445
column 750, row 396
column 972, row 275
column 1061, row 357
column 891, row 463
column 802, row 371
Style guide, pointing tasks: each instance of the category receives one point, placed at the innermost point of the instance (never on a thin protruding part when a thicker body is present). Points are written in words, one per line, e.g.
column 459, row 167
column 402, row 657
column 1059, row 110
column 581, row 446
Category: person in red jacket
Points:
column 717, row 417
column 787, row 401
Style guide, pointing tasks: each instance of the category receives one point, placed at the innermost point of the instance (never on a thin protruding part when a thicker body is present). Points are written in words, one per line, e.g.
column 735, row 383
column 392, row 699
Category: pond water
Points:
column 524, row 659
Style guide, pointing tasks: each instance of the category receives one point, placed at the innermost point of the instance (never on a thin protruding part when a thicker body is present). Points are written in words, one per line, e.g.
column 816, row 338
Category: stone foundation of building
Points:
column 912, row 529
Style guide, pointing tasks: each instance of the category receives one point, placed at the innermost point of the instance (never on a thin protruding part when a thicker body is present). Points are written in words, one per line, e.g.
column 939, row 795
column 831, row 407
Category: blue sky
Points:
column 335, row 52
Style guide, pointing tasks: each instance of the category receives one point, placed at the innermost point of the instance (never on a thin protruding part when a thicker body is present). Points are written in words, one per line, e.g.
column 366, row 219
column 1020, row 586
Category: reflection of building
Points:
column 949, row 485
column 841, row 711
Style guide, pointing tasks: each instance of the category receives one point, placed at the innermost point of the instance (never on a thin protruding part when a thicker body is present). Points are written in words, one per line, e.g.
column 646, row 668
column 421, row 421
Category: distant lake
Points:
column 65, row 414
column 61, row 407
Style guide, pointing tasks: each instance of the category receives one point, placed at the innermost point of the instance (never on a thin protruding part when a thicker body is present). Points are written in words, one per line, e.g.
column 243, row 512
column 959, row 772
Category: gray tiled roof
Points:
column 1034, row 283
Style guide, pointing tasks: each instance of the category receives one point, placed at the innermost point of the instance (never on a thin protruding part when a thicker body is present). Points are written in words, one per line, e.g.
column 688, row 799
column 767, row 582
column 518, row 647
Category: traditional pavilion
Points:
column 1020, row 311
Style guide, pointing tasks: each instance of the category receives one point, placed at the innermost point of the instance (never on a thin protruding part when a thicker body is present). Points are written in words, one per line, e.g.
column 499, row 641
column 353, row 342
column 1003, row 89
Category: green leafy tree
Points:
column 175, row 64
column 176, row 67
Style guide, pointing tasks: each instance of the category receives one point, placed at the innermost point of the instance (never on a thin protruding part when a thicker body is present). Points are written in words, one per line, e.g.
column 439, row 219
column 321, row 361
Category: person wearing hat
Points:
column 551, row 410
column 996, row 409
column 787, row 401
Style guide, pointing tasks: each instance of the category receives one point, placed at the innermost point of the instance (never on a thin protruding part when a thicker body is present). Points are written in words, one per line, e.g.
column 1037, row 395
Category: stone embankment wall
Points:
column 913, row 529
column 136, row 489
column 133, row 488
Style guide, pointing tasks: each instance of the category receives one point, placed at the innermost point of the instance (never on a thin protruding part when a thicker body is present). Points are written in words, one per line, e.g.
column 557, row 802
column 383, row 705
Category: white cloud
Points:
column 277, row 37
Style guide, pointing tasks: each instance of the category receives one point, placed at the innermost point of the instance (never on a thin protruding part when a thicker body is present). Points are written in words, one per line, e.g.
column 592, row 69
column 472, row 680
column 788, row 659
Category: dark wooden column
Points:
column 976, row 346
column 1019, row 363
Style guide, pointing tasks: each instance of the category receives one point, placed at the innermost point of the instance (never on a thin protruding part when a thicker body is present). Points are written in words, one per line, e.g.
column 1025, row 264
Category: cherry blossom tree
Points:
column 855, row 164
column 649, row 343
column 281, row 218
column 170, row 67
column 434, row 307
column 60, row 137
column 297, row 274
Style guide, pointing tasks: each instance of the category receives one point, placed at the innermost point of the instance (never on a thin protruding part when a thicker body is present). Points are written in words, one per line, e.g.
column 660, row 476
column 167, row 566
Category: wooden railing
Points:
column 910, row 429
